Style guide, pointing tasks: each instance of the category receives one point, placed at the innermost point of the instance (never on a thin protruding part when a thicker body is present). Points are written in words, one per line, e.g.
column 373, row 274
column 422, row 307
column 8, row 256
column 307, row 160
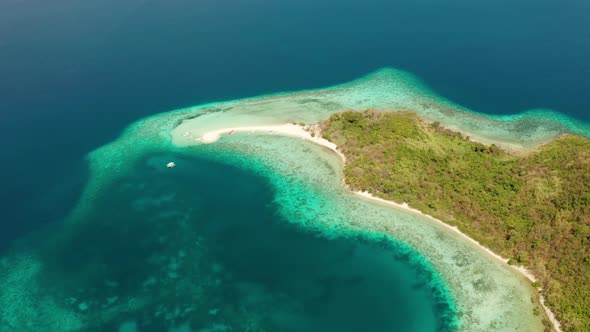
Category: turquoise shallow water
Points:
column 153, row 248
column 204, row 247
column 84, row 70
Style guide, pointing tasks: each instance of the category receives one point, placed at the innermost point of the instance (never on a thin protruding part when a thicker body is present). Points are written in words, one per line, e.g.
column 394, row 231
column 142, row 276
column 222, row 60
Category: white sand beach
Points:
column 288, row 129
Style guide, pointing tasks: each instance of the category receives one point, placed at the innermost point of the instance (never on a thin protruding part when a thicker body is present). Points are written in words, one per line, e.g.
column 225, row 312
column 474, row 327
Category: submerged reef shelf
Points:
column 483, row 294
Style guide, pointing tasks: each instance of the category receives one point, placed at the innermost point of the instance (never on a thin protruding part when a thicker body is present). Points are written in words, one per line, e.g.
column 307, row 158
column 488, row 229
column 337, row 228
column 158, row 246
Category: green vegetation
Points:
column 532, row 207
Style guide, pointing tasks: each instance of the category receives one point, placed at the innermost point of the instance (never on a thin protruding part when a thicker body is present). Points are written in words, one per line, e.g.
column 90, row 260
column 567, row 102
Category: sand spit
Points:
column 313, row 134
column 310, row 133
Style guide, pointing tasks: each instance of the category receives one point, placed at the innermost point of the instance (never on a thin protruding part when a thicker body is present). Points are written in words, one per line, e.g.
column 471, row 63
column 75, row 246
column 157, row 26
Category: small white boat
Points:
column 171, row 164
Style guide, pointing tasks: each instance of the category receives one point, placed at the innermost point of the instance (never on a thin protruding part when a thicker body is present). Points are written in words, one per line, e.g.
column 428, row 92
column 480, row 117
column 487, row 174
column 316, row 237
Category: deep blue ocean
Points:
column 74, row 74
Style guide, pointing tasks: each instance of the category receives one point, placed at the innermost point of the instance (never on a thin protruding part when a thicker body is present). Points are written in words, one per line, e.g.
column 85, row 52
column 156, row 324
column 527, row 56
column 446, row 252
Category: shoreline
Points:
column 288, row 129
column 305, row 132
column 405, row 207
column 519, row 269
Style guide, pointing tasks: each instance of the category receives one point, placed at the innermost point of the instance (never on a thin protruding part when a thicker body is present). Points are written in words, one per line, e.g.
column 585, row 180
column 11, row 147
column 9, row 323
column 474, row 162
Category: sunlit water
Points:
column 76, row 73
column 257, row 231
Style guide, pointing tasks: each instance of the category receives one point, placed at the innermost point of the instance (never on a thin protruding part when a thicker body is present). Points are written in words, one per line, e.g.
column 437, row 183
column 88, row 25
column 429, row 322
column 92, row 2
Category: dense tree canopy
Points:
column 533, row 207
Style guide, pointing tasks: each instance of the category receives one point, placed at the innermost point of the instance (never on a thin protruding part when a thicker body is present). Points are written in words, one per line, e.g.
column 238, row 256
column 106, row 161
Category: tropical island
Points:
column 525, row 199
column 530, row 206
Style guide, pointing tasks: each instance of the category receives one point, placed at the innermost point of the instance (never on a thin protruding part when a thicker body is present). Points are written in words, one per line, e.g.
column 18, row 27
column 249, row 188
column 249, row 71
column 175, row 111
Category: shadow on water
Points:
column 201, row 247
